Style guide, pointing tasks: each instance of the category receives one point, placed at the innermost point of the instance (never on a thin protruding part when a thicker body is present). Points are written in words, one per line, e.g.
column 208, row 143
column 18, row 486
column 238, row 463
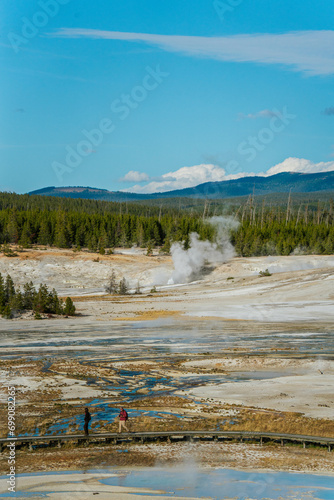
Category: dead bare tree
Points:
column 298, row 213
column 306, row 214
column 288, row 208
column 262, row 213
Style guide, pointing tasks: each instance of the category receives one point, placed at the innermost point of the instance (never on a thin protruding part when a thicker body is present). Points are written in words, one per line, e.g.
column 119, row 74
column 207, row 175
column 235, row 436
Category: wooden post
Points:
column 329, row 448
column 261, row 441
column 304, row 444
column 282, row 442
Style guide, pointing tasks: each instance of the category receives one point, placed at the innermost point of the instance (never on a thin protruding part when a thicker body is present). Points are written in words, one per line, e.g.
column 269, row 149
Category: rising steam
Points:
column 189, row 263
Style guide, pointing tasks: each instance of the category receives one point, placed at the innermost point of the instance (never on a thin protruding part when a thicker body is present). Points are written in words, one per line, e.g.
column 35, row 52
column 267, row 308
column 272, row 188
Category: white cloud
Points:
column 198, row 174
column 300, row 165
column 310, row 52
column 183, row 178
column 265, row 113
column 134, row 176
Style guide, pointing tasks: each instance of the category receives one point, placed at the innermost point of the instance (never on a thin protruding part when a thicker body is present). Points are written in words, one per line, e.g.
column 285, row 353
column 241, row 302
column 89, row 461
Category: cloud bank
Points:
column 300, row 165
column 198, row 174
column 134, row 176
column 310, row 52
column 180, row 179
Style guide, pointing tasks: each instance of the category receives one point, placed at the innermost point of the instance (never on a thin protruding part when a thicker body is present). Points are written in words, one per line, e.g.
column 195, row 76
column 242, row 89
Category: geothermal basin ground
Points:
column 228, row 351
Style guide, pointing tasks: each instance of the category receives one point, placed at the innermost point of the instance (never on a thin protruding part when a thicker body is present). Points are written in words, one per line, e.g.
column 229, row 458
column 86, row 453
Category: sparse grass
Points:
column 247, row 456
column 8, row 251
column 264, row 273
column 283, row 422
column 161, row 401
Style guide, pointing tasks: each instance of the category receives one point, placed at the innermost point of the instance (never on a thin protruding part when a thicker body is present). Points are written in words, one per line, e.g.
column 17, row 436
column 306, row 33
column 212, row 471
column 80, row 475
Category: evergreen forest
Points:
column 41, row 301
column 99, row 226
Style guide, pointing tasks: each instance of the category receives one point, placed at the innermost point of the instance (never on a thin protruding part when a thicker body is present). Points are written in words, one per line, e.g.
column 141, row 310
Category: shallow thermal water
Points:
column 115, row 340
column 188, row 481
column 226, row 483
column 101, row 410
column 104, row 411
column 155, row 340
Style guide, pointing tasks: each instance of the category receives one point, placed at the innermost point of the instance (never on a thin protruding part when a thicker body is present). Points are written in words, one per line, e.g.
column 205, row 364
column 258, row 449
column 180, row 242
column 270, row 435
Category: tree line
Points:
column 282, row 230
column 41, row 301
column 96, row 231
column 100, row 226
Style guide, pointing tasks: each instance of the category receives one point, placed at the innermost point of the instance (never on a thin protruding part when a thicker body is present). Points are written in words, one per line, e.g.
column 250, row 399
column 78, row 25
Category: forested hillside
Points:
column 66, row 223
column 283, row 182
column 96, row 225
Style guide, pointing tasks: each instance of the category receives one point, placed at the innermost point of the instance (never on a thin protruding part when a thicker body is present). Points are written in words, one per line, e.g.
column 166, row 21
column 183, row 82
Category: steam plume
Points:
column 188, row 263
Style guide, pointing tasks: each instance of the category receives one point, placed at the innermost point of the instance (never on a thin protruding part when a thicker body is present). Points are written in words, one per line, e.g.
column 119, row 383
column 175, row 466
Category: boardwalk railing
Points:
column 116, row 438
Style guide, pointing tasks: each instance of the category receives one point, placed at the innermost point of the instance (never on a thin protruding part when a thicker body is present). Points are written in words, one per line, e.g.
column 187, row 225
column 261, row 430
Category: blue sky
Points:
column 148, row 96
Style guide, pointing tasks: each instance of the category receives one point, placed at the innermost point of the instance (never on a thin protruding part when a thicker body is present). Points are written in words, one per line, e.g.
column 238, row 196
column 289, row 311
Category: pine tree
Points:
column 103, row 241
column 17, row 301
column 12, row 227
column 9, row 289
column 2, row 294
column 29, row 294
column 112, row 284
column 44, row 236
column 123, row 287
column 61, row 235
column 140, row 235
column 69, row 309
column 149, row 250
column 25, row 238
column 7, row 312
column 166, row 246
column 55, row 304
column 41, row 300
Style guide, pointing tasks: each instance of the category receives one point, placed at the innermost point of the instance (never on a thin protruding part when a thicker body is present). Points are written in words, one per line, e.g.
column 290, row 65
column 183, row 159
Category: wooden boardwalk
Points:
column 114, row 438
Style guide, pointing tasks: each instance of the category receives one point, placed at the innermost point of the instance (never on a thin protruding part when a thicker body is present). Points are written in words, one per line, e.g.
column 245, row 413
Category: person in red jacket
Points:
column 123, row 417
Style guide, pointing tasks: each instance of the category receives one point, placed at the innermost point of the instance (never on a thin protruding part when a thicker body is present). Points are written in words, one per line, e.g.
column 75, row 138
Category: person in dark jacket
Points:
column 87, row 420
column 123, row 417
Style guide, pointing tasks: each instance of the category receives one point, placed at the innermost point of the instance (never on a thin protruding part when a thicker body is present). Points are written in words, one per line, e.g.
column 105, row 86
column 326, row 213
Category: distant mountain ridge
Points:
column 278, row 183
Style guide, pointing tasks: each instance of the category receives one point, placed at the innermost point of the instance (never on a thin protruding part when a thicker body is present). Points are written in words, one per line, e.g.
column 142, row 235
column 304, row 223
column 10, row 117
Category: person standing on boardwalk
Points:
column 87, row 420
column 123, row 417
